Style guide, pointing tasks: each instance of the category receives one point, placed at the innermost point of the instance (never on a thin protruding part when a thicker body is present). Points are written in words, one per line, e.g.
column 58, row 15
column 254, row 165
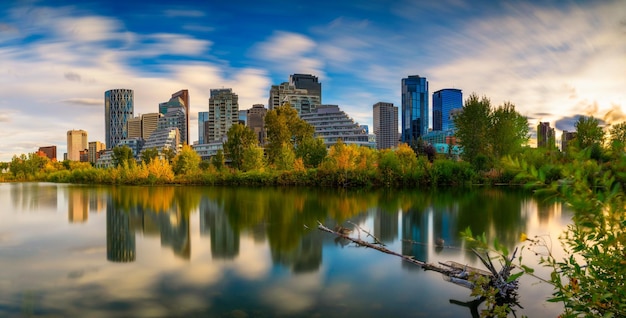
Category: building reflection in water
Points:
column 77, row 205
column 34, row 197
column 175, row 232
column 120, row 238
column 214, row 222
column 386, row 225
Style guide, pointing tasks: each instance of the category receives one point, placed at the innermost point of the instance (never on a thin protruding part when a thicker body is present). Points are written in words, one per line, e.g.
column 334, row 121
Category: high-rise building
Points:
column 303, row 92
column 444, row 102
column 95, row 149
column 566, row 138
column 134, row 127
column 256, row 121
column 184, row 96
column 414, row 108
column 149, row 123
column 175, row 115
column 223, row 113
column 76, row 141
column 386, row 125
column 308, row 82
column 545, row 136
column 331, row 124
column 49, row 151
column 118, row 109
column 203, row 117
column 243, row 116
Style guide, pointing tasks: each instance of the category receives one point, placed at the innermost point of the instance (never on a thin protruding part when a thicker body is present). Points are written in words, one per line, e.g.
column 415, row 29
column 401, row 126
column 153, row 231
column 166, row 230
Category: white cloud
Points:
column 289, row 53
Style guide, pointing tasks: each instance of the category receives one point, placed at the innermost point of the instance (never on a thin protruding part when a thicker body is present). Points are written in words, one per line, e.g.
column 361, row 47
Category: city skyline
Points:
column 553, row 60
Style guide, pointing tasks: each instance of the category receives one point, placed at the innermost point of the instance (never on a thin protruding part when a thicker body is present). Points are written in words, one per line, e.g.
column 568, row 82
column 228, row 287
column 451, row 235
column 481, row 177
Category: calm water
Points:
column 84, row 251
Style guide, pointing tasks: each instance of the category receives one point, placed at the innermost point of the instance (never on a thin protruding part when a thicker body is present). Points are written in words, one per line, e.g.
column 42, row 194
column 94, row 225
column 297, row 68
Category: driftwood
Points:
column 452, row 271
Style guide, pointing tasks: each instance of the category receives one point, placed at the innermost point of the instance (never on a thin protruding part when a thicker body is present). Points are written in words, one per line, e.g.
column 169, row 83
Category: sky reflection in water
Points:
column 72, row 250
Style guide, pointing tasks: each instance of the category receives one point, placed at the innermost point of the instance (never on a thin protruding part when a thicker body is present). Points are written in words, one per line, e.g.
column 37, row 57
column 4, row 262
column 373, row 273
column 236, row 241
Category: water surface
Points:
column 176, row 251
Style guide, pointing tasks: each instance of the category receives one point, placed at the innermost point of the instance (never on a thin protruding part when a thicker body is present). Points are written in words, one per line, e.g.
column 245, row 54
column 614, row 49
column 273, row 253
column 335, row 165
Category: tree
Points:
column 149, row 154
column 240, row 138
column 312, row 151
column 284, row 127
column 187, row 161
column 588, row 132
column 508, row 131
column 286, row 158
column 122, row 154
column 618, row 138
column 169, row 154
column 253, row 158
column 218, row 161
column 473, row 127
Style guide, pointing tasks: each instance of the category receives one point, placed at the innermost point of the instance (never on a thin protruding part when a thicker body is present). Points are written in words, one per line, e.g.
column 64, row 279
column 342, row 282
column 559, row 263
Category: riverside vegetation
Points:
column 589, row 175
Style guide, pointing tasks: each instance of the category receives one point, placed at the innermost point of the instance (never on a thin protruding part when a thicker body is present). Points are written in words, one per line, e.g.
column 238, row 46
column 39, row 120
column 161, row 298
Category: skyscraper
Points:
column 94, row 150
column 133, row 127
column 76, row 141
column 256, row 121
column 118, row 109
column 545, row 136
column 149, row 123
column 223, row 113
column 174, row 114
column 414, row 108
column 308, row 82
column 184, row 96
column 444, row 102
column 385, row 125
column 49, row 151
column 203, row 117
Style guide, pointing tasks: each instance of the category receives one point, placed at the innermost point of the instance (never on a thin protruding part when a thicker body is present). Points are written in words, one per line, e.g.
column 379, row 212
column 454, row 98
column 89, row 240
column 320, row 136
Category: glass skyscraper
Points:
column 414, row 108
column 118, row 109
column 444, row 102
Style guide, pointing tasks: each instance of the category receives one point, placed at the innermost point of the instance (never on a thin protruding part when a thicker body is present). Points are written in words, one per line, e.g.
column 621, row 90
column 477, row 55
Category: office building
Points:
column 174, row 114
column 76, row 141
column 161, row 139
column 566, row 138
column 386, row 125
column 134, row 127
column 243, row 116
column 184, row 97
column 49, row 151
column 95, row 150
column 223, row 113
column 203, row 117
column 445, row 101
column 332, row 124
column 256, row 121
column 118, row 109
column 414, row 108
column 545, row 136
column 308, row 82
column 149, row 123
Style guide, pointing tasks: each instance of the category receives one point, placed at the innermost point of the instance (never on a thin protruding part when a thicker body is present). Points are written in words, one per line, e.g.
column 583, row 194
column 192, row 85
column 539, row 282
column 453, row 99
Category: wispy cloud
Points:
column 173, row 13
column 84, row 101
column 288, row 53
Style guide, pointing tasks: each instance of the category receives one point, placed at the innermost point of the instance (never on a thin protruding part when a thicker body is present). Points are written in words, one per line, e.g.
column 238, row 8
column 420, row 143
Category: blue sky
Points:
column 554, row 60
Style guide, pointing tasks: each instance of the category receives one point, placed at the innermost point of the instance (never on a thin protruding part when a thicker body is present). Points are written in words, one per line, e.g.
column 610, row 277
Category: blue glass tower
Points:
column 414, row 108
column 118, row 109
column 444, row 101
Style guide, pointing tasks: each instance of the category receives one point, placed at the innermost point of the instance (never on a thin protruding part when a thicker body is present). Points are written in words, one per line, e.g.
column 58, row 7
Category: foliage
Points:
column 617, row 141
column 285, row 158
column 187, row 161
column 588, row 132
column 253, row 159
column 487, row 134
column 284, row 127
column 121, row 155
column 312, row 151
column 240, row 138
column 218, row 161
column 149, row 154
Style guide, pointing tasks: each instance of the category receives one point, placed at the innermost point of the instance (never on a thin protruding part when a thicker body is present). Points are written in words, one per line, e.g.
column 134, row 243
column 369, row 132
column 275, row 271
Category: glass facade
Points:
column 414, row 108
column 202, row 118
column 444, row 102
column 118, row 109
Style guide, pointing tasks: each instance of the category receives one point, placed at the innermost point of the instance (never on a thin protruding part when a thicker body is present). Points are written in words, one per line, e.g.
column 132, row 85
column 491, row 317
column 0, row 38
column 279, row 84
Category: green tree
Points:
column 286, row 158
column 218, row 161
column 240, row 138
column 169, row 154
column 588, row 132
column 187, row 161
column 618, row 138
column 508, row 131
column 149, row 154
column 473, row 125
column 284, row 127
column 121, row 155
column 253, row 158
column 312, row 151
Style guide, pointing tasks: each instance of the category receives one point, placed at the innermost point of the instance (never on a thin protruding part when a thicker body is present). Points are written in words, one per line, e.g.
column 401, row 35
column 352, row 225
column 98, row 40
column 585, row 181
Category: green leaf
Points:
column 514, row 277
column 528, row 269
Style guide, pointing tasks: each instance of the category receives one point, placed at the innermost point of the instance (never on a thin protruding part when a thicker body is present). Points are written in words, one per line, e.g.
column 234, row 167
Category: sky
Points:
column 554, row 60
